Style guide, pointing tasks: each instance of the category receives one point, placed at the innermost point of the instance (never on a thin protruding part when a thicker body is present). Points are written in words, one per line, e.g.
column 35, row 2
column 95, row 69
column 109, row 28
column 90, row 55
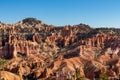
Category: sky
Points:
column 96, row 13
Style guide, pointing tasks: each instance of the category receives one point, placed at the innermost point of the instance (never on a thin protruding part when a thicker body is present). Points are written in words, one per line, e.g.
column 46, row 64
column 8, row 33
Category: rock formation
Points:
column 13, row 47
column 38, row 51
column 9, row 76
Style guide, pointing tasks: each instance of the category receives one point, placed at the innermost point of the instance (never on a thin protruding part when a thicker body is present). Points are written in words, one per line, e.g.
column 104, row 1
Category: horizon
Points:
column 95, row 13
column 62, row 25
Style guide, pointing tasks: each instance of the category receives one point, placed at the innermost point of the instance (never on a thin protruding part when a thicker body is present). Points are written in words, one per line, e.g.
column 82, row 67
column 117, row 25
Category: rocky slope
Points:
column 33, row 50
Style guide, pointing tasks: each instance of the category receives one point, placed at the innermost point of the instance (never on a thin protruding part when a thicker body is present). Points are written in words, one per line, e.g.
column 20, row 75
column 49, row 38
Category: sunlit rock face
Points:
column 37, row 38
column 8, row 76
column 38, row 51
column 15, row 46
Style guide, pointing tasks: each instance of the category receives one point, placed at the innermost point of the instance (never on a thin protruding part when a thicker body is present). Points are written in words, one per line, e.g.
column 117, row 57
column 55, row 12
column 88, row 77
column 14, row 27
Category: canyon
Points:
column 33, row 50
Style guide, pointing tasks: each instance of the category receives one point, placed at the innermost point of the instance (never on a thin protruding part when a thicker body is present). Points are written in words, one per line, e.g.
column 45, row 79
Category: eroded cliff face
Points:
column 35, row 50
column 26, row 48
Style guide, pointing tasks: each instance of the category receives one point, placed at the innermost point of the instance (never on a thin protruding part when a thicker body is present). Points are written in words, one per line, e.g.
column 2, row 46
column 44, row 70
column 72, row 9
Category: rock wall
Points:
column 23, row 47
column 96, row 41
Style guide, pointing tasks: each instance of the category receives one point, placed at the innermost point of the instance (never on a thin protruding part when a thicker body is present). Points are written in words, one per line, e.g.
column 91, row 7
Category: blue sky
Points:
column 96, row 13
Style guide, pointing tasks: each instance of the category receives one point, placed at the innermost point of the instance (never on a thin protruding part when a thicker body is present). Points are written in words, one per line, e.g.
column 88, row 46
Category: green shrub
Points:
column 2, row 63
column 78, row 76
column 103, row 76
